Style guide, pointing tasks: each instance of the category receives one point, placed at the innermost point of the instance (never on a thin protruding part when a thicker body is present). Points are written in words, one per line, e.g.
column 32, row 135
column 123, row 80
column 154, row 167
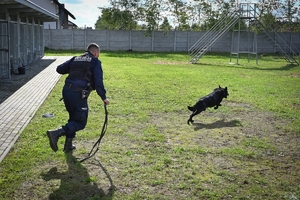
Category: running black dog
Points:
column 212, row 100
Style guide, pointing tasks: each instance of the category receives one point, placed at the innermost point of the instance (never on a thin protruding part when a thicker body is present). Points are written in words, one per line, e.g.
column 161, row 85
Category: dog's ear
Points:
column 225, row 88
column 219, row 86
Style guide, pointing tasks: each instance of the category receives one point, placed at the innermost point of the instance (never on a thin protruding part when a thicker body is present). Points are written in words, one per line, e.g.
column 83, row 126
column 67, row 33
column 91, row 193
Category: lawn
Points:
column 246, row 149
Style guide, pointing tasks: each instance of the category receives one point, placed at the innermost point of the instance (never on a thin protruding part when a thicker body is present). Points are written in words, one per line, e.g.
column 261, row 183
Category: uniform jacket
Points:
column 95, row 68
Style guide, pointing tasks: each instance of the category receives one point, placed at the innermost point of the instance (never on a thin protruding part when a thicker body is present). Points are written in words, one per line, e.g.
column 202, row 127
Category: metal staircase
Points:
column 229, row 19
column 287, row 51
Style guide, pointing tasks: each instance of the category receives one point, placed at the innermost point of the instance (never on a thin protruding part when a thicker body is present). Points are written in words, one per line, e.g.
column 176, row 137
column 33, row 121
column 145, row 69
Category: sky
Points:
column 86, row 12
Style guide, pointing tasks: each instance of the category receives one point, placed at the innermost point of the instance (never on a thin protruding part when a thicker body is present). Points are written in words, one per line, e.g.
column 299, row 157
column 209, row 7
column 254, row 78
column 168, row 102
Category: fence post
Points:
column 107, row 39
column 188, row 40
column 72, row 42
column 175, row 41
column 85, row 39
column 152, row 40
column 130, row 46
column 50, row 38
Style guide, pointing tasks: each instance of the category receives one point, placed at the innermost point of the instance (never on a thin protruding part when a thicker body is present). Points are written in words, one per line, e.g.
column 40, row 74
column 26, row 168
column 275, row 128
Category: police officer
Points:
column 85, row 74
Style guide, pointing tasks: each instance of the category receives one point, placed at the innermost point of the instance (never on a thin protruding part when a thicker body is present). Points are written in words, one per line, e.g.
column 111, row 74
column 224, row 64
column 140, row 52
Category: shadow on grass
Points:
column 218, row 124
column 283, row 68
column 141, row 54
column 75, row 183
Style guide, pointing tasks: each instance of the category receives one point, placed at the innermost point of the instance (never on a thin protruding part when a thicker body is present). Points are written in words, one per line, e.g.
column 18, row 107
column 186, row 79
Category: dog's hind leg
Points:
column 190, row 120
column 196, row 112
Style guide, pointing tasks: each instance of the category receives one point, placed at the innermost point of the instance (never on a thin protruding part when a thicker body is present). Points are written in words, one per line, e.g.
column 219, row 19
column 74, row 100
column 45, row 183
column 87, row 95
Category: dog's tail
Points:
column 191, row 108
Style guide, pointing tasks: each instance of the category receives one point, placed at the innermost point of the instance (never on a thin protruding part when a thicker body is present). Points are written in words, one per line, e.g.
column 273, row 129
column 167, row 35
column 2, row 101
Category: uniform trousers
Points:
column 77, row 108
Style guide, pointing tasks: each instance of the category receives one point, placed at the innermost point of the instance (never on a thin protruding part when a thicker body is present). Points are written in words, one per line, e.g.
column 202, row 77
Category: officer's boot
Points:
column 53, row 136
column 68, row 145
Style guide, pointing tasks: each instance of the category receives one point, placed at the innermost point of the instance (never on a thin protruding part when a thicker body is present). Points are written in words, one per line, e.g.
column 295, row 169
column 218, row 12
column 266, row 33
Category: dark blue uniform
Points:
column 83, row 71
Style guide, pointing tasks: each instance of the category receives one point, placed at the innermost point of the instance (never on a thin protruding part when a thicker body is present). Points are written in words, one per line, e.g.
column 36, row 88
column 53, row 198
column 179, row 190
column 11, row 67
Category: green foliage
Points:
column 116, row 19
column 191, row 15
column 165, row 26
column 151, row 15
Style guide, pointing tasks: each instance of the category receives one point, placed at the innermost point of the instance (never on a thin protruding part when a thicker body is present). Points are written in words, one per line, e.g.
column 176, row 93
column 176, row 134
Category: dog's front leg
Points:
column 217, row 106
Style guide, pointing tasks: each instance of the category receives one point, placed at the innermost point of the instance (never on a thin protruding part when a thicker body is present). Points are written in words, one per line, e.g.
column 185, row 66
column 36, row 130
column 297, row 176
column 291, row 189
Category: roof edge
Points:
column 61, row 6
column 36, row 7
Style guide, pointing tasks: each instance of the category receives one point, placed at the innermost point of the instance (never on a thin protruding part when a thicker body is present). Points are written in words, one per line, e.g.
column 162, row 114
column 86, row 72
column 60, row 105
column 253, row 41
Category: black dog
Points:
column 212, row 100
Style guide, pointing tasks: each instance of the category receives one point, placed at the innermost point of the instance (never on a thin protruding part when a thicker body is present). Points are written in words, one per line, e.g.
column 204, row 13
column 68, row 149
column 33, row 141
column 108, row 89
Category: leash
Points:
column 104, row 127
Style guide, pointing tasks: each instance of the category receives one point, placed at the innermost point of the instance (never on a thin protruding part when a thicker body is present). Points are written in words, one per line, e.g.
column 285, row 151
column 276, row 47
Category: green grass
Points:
column 246, row 149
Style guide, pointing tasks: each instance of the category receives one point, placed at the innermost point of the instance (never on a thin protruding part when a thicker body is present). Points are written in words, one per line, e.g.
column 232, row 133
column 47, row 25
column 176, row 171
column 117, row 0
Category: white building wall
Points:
column 47, row 5
column 50, row 25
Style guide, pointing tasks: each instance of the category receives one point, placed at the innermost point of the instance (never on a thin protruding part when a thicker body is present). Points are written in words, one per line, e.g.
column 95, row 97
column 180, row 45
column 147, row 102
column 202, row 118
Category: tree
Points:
column 165, row 26
column 115, row 19
column 102, row 24
column 192, row 14
column 128, row 6
column 151, row 15
column 179, row 12
column 279, row 15
column 288, row 15
column 209, row 13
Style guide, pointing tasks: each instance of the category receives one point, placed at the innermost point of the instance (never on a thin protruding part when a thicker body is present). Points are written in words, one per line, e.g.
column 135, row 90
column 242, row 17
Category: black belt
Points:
column 73, row 87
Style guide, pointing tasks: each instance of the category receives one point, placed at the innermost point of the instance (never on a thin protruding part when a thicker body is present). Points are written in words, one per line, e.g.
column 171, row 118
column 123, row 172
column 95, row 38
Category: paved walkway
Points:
column 17, row 110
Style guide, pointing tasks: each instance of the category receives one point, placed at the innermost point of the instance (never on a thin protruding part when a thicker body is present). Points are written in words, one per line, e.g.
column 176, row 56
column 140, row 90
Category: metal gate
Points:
column 5, row 64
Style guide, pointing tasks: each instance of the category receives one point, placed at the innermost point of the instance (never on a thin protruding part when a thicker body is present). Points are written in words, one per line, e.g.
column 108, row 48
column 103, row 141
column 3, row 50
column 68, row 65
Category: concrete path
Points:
column 19, row 108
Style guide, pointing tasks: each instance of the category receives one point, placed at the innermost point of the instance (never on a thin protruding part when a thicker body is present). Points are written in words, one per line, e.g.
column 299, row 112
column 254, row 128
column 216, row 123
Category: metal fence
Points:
column 20, row 44
column 4, row 51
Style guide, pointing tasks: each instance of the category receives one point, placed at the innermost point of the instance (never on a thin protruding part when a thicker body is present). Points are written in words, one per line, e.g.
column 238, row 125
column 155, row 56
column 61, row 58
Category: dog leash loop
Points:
column 97, row 143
